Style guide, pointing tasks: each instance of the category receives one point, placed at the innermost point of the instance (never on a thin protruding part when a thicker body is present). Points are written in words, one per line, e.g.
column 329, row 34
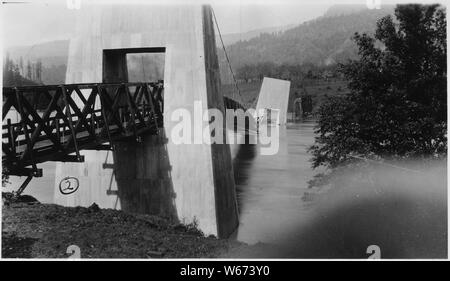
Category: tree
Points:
column 397, row 105
column 38, row 71
column 29, row 70
column 7, row 70
column 21, row 66
column 11, row 73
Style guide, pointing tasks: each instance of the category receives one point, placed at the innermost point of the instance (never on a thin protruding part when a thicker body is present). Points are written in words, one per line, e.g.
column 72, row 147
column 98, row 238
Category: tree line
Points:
column 20, row 73
column 292, row 72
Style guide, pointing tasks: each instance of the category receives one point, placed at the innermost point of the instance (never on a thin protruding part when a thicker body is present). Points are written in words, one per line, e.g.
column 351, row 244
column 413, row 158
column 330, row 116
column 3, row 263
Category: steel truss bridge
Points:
column 56, row 121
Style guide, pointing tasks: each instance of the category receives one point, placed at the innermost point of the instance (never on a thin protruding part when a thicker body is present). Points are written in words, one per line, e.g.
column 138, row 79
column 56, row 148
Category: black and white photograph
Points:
column 224, row 131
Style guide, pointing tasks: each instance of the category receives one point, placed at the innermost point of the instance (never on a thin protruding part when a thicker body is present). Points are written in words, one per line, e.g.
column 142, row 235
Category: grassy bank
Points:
column 45, row 231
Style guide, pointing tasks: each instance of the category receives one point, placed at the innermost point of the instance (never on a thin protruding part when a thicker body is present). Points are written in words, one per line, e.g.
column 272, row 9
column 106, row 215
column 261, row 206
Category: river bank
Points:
column 47, row 230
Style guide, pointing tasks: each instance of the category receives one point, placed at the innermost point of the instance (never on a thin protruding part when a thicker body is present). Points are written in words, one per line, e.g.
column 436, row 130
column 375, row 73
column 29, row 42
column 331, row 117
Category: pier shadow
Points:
column 242, row 167
column 143, row 176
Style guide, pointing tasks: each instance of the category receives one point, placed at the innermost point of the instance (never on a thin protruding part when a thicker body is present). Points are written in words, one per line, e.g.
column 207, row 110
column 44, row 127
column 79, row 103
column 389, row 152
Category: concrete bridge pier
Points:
column 188, row 182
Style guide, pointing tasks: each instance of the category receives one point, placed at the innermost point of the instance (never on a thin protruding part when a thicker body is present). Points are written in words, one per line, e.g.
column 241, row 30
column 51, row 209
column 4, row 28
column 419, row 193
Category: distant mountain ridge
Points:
column 322, row 41
column 231, row 38
column 345, row 9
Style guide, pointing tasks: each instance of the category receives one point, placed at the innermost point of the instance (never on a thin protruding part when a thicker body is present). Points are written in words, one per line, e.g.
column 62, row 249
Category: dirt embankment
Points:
column 46, row 231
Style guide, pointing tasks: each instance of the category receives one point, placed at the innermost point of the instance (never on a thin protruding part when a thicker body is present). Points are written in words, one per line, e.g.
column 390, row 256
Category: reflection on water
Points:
column 270, row 187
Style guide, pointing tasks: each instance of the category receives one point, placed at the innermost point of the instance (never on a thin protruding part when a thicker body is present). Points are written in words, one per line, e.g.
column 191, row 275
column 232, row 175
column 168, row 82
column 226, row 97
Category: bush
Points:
column 398, row 101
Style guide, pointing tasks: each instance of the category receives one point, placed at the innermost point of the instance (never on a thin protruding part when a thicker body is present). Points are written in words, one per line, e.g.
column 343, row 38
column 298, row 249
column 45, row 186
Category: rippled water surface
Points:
column 270, row 187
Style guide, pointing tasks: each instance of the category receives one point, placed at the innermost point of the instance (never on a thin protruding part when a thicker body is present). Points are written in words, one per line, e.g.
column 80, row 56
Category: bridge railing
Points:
column 48, row 123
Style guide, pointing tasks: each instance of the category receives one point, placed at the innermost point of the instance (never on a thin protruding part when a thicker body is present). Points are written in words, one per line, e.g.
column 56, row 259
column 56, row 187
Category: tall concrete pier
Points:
column 189, row 182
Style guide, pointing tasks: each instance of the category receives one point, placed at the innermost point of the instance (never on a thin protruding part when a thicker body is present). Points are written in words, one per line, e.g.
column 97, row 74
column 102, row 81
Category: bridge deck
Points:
column 56, row 121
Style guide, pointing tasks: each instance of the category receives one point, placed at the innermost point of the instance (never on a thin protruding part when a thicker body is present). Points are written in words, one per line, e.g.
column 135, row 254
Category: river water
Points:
column 270, row 187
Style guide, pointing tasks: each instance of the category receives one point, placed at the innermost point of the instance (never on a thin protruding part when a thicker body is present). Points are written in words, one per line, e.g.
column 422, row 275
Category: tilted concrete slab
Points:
column 190, row 182
column 274, row 94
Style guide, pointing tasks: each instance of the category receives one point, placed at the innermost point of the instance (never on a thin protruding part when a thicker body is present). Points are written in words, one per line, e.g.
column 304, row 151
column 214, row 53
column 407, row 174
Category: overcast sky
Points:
column 46, row 20
column 27, row 24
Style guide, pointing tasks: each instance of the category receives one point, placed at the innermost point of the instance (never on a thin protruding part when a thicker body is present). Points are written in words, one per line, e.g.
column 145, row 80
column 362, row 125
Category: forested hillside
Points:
column 323, row 41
